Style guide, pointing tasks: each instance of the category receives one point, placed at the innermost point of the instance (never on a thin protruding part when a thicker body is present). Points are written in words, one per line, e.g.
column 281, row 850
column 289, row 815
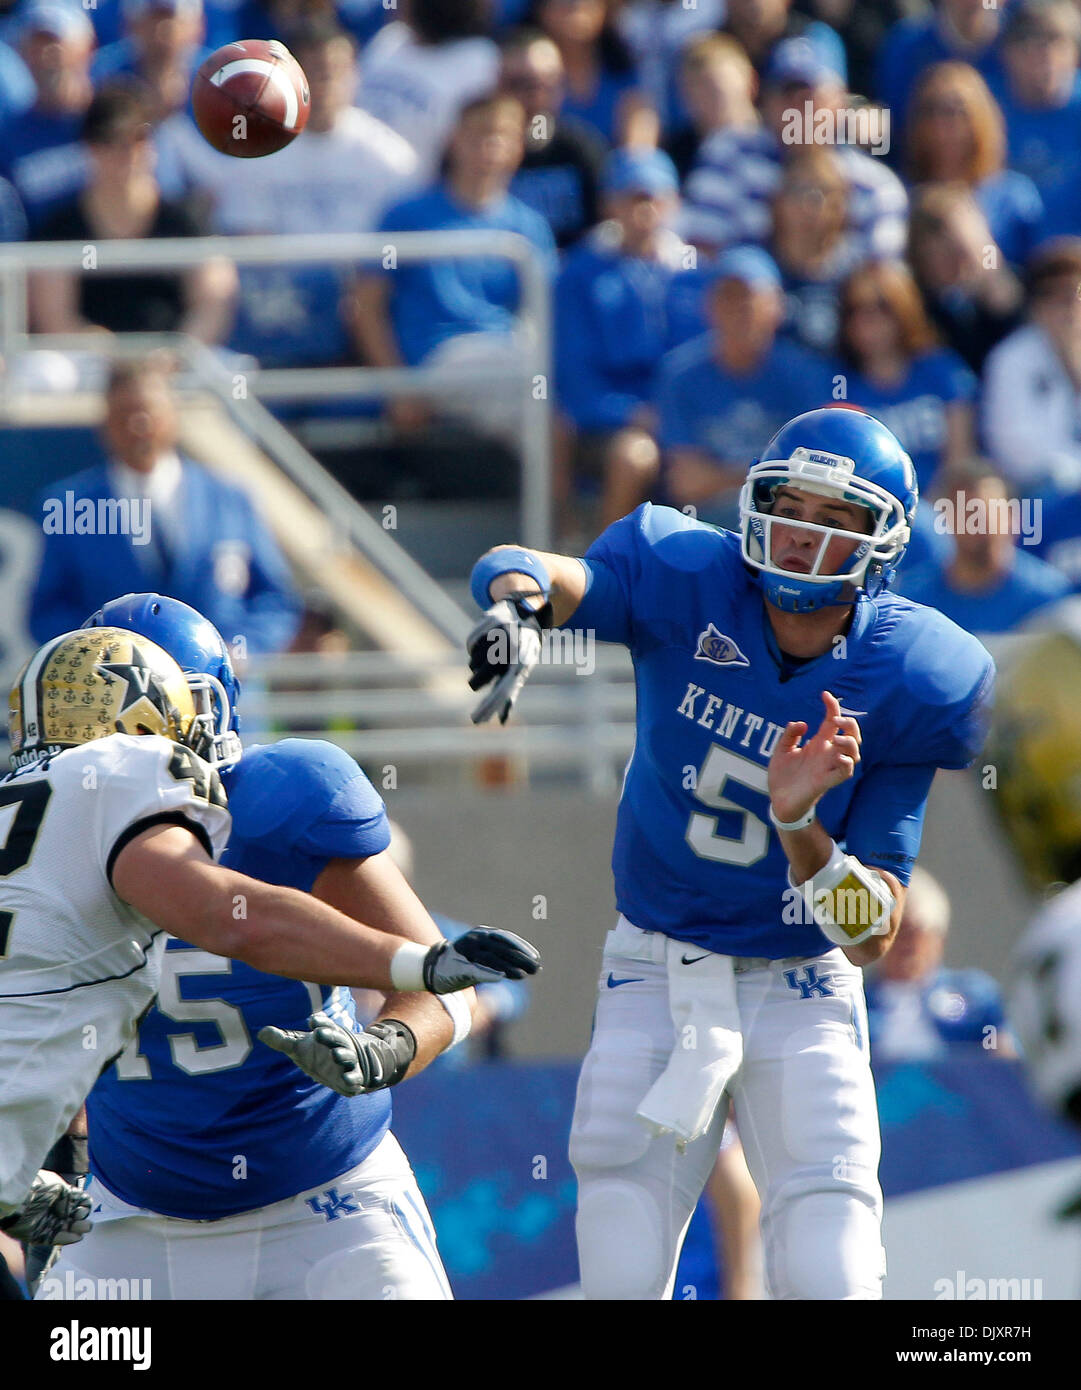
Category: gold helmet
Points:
column 92, row 683
column 1035, row 745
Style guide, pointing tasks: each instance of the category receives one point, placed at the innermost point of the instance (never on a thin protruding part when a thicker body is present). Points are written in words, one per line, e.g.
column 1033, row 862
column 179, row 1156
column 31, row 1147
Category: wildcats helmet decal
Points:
column 89, row 684
column 721, row 650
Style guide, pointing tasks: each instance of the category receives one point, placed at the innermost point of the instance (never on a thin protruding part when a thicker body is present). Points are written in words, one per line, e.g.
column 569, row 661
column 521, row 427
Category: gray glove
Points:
column 482, row 956
column 54, row 1213
column 350, row 1063
column 503, row 649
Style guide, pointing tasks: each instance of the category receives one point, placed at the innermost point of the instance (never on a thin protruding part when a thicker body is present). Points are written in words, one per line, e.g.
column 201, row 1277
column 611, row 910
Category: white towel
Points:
column 708, row 1048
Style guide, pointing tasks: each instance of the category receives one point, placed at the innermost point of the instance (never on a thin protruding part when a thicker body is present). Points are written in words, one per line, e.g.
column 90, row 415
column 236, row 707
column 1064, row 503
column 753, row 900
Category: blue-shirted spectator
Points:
column 1041, row 102
column 617, row 311
column 191, row 534
column 602, row 89
column 721, row 394
column 762, row 25
column 893, row 367
column 12, row 217
column 728, row 193
column 462, row 310
column 560, row 173
column 967, row 31
column 990, row 581
column 17, row 88
column 956, row 134
column 920, row 1010
column 1060, row 542
column 811, row 245
column 40, row 151
column 162, row 45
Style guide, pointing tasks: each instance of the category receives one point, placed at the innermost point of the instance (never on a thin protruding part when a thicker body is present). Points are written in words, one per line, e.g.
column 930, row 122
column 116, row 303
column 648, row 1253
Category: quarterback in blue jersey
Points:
column 219, row 1169
column 757, row 866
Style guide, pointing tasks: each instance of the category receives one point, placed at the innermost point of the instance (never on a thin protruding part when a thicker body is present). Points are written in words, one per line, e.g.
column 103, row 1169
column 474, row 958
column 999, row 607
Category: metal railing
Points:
column 578, row 719
column 525, row 367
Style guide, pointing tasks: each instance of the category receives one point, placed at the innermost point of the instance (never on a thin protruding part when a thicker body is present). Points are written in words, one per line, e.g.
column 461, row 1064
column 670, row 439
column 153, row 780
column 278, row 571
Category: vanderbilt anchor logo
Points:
column 721, row 650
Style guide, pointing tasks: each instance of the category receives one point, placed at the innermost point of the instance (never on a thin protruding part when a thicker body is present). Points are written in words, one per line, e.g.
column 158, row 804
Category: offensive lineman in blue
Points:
column 220, row 1170
column 756, row 867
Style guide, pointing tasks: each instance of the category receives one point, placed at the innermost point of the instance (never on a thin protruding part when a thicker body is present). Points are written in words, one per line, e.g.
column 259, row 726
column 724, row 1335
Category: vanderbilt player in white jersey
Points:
column 109, row 828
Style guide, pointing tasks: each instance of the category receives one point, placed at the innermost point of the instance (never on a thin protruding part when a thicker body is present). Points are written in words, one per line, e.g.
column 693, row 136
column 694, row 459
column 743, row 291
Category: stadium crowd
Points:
column 746, row 209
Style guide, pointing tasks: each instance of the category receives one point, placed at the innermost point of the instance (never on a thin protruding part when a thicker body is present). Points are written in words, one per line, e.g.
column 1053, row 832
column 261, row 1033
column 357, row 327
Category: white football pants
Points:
column 808, row 1121
column 366, row 1235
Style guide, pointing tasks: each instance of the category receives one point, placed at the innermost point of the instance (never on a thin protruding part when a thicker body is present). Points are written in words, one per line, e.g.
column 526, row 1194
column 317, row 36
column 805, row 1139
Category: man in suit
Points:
column 184, row 532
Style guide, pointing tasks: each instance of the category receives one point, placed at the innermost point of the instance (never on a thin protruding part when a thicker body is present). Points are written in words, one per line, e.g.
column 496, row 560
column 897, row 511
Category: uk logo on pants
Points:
column 810, row 984
column 332, row 1206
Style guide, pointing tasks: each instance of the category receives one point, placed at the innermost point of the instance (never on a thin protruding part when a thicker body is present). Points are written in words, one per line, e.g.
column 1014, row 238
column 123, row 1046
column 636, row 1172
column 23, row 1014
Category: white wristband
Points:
column 800, row 824
column 407, row 966
column 460, row 1015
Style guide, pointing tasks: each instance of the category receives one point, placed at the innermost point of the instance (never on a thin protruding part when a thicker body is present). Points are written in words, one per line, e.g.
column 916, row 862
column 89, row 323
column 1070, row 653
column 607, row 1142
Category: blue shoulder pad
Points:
column 277, row 791
column 946, row 679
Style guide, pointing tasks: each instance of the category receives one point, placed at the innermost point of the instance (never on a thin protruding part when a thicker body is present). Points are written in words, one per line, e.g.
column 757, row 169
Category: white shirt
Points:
column 161, row 486
column 1031, row 410
column 338, row 180
column 418, row 89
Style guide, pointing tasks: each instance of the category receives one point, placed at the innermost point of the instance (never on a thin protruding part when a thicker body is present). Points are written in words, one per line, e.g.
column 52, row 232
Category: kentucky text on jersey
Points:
column 733, row 720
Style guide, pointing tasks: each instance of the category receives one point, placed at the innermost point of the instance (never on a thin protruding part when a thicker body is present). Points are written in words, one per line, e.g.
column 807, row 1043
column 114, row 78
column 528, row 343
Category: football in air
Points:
column 250, row 98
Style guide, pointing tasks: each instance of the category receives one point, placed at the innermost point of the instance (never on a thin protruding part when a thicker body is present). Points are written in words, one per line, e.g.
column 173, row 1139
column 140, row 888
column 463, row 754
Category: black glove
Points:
column 350, row 1063
column 481, row 956
column 69, row 1157
column 503, row 648
column 54, row 1213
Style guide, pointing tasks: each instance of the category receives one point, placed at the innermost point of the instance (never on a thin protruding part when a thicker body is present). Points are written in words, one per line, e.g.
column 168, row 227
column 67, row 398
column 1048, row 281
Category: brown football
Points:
column 250, row 98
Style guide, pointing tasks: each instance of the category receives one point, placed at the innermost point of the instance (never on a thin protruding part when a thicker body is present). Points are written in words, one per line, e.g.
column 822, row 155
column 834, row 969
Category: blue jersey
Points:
column 432, row 302
column 1060, row 544
column 915, row 407
column 695, row 856
column 198, row 1119
column 615, row 318
column 923, row 1019
column 41, row 154
column 1045, row 144
column 703, row 406
column 1030, row 584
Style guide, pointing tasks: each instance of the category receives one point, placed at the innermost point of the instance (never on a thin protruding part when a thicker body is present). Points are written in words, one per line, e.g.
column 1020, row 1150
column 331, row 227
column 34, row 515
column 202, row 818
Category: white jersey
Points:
column 418, row 89
column 1045, row 1002
column 79, row 967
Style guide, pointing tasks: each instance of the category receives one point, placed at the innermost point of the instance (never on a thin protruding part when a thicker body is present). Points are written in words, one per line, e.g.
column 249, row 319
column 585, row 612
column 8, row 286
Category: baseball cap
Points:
column 750, row 264
column 800, row 60
column 62, row 21
column 639, row 171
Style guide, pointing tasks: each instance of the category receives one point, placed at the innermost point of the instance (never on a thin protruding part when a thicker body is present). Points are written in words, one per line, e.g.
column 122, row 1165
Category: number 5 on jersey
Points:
column 752, row 842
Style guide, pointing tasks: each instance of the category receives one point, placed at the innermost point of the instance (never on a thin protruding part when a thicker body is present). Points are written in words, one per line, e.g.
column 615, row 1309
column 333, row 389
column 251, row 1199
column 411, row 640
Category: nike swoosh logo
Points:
column 613, row 983
column 691, row 960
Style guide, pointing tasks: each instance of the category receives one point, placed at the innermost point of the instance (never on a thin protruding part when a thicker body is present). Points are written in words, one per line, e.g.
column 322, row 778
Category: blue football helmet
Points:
column 197, row 647
column 836, row 452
